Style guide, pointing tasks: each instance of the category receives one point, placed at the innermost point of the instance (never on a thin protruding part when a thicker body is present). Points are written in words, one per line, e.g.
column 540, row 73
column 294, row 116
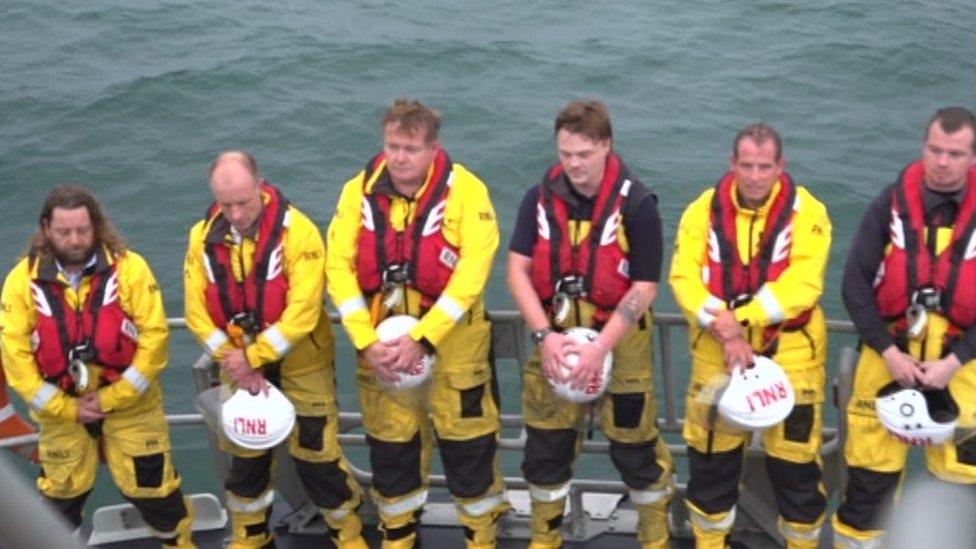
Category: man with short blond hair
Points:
column 414, row 233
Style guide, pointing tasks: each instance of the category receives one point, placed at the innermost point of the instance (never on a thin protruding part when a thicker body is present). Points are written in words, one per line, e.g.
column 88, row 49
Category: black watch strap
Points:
column 539, row 335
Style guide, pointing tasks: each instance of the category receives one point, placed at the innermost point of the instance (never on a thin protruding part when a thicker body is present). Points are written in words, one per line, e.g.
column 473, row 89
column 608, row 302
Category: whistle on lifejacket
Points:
column 916, row 317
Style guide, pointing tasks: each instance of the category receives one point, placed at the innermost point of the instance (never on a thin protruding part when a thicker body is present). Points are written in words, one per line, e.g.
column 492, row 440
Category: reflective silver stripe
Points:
column 792, row 533
column 484, row 505
column 7, row 412
column 648, row 497
column 277, row 339
column 705, row 319
column 238, row 505
column 709, row 526
column 136, row 378
column 449, row 306
column 215, row 340
column 336, row 514
column 546, row 495
column 43, row 396
column 407, row 505
column 846, row 542
column 206, row 266
column 770, row 304
column 352, row 305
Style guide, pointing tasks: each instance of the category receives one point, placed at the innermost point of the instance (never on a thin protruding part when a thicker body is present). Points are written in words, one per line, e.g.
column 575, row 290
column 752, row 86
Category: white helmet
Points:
column 757, row 397
column 597, row 384
column 392, row 328
column 917, row 417
column 257, row 422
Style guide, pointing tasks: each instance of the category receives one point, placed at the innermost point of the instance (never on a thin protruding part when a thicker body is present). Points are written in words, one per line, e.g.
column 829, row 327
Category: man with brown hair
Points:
column 747, row 271
column 909, row 289
column 414, row 234
column 254, row 277
column 84, row 339
column 586, row 251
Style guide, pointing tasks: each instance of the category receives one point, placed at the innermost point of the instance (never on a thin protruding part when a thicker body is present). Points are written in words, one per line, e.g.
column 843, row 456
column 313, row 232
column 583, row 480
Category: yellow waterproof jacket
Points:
column 139, row 298
column 796, row 290
column 469, row 224
column 302, row 336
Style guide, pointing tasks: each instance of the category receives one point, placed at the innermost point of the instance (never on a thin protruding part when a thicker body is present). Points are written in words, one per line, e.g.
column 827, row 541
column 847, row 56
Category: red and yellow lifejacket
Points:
column 100, row 322
column 598, row 259
column 909, row 264
column 420, row 249
column 264, row 291
column 728, row 278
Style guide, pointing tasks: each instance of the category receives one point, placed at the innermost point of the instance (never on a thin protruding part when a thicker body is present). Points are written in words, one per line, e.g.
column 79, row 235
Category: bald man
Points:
column 254, row 277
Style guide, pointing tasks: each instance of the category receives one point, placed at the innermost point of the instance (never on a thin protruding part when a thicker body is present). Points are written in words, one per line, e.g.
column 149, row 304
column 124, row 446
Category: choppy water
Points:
column 133, row 98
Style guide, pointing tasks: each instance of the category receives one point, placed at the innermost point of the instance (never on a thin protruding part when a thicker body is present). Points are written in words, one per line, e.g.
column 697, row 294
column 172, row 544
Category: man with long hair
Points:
column 84, row 340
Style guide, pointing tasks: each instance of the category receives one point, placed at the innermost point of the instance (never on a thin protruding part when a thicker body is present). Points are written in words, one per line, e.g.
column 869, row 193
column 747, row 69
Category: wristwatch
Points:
column 539, row 335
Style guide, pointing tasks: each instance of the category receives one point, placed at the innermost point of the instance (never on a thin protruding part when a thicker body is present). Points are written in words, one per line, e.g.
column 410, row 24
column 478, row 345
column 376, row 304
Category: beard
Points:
column 73, row 256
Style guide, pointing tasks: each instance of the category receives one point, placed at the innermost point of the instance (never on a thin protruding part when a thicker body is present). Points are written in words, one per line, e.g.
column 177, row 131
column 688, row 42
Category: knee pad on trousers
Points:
column 549, row 455
column 326, row 483
column 70, row 508
column 713, row 486
column 469, row 465
column 162, row 514
column 249, row 477
column 869, row 494
column 397, row 465
column 797, row 487
column 636, row 462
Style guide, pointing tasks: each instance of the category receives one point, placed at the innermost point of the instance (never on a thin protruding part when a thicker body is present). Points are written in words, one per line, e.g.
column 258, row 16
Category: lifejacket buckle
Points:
column 572, row 286
column 83, row 352
column 246, row 322
column 395, row 275
column 928, row 297
column 739, row 301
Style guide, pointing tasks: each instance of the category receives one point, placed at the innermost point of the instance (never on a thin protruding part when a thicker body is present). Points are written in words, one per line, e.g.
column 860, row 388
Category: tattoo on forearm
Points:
column 632, row 305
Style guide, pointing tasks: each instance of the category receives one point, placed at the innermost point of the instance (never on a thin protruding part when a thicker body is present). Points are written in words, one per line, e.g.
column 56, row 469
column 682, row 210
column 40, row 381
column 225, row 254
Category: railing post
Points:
column 667, row 372
column 577, row 516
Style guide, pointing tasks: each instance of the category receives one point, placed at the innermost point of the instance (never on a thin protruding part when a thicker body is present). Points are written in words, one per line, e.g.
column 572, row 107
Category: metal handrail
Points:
column 670, row 422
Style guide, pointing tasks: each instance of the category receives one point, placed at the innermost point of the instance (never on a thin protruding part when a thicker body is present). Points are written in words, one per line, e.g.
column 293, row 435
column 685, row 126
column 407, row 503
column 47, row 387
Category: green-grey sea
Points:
column 134, row 98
